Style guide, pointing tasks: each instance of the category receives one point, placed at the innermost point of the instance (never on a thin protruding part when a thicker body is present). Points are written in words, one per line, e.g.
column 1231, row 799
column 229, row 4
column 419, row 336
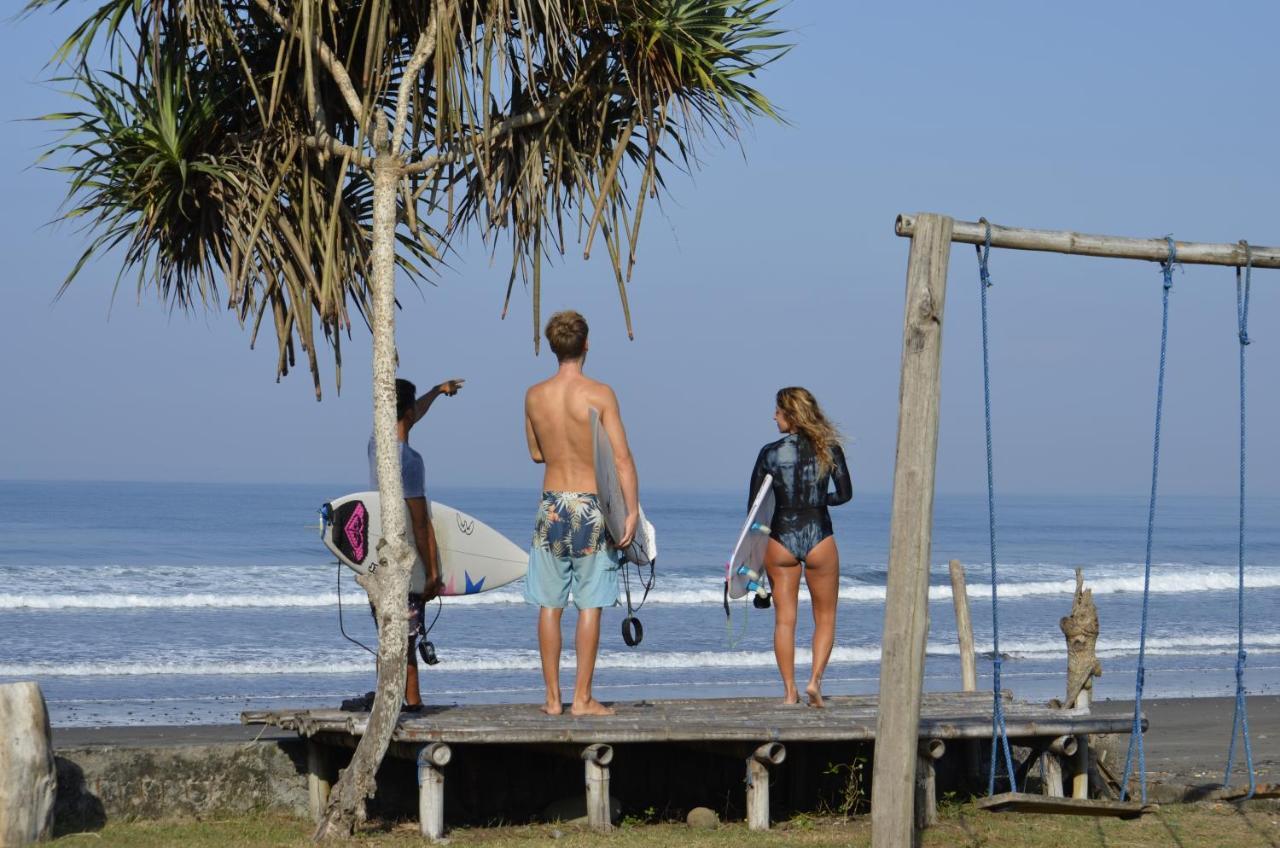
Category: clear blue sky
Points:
column 778, row 269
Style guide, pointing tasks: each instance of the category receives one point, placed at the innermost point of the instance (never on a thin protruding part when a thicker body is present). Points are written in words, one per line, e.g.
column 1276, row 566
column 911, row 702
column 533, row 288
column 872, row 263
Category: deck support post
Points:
column 1060, row 750
column 758, row 764
column 319, row 778
column 929, row 752
column 432, row 759
column 906, row 613
column 597, row 759
column 1080, row 779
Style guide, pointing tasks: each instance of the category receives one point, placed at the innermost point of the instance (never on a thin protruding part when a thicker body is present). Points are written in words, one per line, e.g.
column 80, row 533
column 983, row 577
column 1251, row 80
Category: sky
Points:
column 775, row 264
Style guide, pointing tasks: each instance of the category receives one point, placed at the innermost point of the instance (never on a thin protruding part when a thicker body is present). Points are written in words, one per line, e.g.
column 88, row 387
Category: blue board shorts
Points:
column 571, row 554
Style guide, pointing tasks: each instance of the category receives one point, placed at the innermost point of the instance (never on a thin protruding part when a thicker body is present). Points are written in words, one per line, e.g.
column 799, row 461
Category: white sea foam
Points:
column 467, row 661
column 263, row 590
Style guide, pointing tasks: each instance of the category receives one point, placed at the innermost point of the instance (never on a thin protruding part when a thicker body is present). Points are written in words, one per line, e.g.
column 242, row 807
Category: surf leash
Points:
column 341, row 626
column 632, row 629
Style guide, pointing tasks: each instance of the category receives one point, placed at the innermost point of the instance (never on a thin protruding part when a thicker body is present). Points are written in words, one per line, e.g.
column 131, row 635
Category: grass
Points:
column 1182, row 826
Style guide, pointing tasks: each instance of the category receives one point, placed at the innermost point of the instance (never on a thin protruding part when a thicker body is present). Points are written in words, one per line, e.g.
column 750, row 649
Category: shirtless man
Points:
column 571, row 551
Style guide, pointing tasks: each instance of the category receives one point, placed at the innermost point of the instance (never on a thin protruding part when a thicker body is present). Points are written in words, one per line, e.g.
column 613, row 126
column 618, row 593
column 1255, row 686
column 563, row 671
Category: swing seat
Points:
column 1022, row 802
column 1238, row 793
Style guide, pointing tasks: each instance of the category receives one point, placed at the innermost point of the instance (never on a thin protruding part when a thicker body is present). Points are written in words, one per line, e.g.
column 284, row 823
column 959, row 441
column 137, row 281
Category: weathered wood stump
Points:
column 1081, row 630
column 28, row 778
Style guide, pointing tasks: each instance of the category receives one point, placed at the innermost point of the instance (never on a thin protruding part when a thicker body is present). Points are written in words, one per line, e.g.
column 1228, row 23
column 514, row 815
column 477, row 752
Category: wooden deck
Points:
column 753, row 728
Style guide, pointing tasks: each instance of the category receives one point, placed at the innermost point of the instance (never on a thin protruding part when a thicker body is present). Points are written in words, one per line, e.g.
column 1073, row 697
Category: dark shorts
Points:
column 417, row 609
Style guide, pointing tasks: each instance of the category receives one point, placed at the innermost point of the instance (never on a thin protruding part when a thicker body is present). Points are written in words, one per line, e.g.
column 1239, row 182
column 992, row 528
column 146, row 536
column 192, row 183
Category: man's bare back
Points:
column 558, row 425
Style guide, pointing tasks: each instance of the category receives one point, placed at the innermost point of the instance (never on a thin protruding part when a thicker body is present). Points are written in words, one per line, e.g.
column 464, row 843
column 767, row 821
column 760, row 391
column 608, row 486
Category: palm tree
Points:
column 289, row 155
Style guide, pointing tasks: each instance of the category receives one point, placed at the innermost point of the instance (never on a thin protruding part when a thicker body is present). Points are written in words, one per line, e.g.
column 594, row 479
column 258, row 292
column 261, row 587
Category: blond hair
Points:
column 802, row 410
column 567, row 334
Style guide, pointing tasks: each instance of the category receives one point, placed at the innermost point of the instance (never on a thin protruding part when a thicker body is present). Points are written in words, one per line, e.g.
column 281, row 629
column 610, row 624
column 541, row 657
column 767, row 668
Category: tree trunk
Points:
column 28, row 780
column 388, row 586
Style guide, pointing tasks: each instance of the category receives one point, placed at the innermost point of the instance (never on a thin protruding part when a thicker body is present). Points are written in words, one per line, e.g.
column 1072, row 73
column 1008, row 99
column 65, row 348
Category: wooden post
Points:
column 432, row 759
column 597, row 759
column 1060, row 749
column 758, row 765
column 319, row 778
column 28, row 777
column 1080, row 780
column 926, row 783
column 906, row 614
column 964, row 628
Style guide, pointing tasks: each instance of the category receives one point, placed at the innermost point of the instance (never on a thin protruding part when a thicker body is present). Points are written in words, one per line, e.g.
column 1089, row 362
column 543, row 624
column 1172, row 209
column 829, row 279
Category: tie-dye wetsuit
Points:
column 800, row 516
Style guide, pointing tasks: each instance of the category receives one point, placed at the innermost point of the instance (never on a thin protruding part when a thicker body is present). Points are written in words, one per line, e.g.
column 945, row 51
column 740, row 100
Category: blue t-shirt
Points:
column 413, row 474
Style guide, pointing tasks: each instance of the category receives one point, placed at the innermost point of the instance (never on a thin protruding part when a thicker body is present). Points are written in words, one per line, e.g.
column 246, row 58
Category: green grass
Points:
column 961, row 825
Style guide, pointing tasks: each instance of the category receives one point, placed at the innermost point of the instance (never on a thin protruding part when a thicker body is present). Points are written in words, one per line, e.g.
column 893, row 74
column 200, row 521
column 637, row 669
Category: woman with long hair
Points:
column 804, row 463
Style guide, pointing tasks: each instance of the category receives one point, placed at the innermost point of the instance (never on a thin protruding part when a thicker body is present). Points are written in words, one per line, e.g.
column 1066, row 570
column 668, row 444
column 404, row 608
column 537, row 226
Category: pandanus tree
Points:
column 287, row 158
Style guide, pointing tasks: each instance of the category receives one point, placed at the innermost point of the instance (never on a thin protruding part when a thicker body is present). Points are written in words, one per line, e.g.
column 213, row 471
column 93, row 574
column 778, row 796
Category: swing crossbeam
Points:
column 1021, row 802
column 1111, row 247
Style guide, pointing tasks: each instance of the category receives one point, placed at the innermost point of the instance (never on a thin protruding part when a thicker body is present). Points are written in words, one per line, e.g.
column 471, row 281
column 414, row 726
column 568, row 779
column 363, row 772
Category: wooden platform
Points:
column 946, row 716
column 753, row 728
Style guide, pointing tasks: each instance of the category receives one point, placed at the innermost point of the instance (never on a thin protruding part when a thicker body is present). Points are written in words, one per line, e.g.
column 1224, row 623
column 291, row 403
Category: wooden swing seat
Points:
column 1021, row 802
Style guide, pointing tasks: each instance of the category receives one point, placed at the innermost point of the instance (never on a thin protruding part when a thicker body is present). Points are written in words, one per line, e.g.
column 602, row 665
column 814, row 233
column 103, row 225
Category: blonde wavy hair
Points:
column 802, row 410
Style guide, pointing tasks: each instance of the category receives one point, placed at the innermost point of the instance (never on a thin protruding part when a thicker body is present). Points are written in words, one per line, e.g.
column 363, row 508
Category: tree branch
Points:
column 422, row 54
column 533, row 116
column 325, row 142
column 331, row 62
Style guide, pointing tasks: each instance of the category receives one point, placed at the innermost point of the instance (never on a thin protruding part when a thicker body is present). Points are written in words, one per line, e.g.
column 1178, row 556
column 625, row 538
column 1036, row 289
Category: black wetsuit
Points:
column 800, row 516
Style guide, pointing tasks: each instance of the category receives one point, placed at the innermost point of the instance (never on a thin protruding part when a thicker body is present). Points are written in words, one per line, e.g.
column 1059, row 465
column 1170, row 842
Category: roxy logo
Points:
column 466, row 525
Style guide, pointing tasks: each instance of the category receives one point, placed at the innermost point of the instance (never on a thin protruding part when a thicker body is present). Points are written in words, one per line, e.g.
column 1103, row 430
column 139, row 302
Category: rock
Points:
column 703, row 818
column 573, row 810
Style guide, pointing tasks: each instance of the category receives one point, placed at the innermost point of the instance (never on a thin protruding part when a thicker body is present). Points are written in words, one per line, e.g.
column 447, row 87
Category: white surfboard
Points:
column 745, row 571
column 643, row 550
column 473, row 556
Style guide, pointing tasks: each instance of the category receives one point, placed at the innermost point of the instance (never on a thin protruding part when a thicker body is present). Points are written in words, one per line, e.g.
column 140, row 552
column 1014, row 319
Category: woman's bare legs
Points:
column 784, row 579
column 822, row 575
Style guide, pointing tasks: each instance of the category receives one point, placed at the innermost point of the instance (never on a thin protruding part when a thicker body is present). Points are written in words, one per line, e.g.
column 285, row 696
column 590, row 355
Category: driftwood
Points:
column 1081, row 630
column 28, row 779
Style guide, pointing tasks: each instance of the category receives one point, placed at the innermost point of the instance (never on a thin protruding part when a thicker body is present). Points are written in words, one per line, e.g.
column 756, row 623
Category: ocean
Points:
column 161, row 603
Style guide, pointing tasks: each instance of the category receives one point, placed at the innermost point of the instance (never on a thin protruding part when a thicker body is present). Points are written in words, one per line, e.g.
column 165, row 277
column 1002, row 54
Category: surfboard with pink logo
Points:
column 473, row 556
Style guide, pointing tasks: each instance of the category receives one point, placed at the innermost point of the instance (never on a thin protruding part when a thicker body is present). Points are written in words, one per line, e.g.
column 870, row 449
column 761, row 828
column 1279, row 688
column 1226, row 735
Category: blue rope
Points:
column 1240, row 722
column 999, row 735
column 1135, row 733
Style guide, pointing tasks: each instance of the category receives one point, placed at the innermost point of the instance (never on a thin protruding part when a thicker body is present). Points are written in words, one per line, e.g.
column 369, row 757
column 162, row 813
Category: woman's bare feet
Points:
column 814, row 693
column 790, row 697
column 590, row 708
column 552, row 708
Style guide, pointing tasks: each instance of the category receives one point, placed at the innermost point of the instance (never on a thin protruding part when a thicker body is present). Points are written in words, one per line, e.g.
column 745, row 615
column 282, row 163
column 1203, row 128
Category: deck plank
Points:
column 948, row 715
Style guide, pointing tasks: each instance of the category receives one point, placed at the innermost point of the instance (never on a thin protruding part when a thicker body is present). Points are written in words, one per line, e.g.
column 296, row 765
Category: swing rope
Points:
column 1135, row 734
column 999, row 734
column 1240, row 722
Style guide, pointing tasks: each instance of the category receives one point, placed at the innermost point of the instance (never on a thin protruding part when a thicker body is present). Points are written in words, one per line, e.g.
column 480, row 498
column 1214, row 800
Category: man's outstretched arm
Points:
column 422, row 404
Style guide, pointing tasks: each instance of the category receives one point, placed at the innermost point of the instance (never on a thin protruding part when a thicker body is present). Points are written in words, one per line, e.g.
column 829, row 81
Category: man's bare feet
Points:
column 590, row 708
column 814, row 693
column 552, row 708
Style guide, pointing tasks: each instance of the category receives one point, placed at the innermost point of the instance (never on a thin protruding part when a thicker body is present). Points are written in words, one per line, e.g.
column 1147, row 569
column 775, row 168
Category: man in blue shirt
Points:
column 409, row 410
